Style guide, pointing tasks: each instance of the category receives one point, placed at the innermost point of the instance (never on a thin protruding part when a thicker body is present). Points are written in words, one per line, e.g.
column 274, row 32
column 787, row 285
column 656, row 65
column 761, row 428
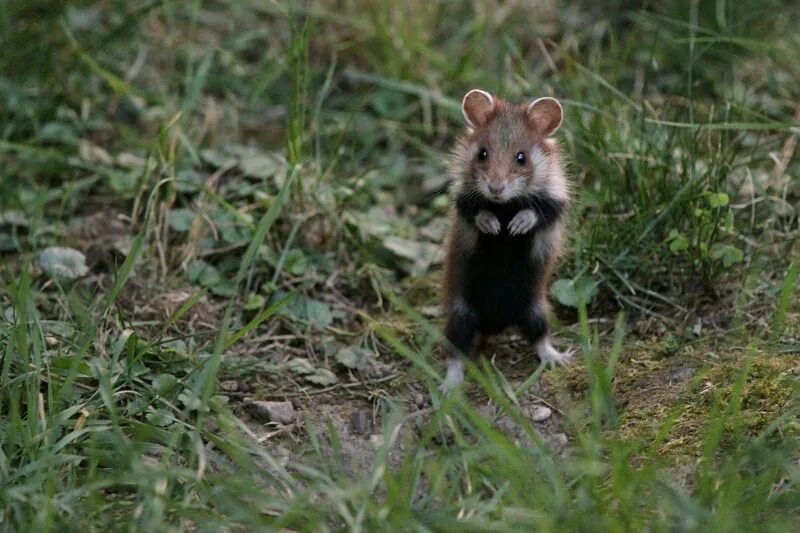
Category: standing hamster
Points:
column 511, row 195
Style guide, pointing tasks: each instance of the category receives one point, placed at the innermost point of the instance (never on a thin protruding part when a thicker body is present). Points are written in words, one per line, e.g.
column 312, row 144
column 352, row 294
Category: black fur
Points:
column 548, row 209
column 496, row 278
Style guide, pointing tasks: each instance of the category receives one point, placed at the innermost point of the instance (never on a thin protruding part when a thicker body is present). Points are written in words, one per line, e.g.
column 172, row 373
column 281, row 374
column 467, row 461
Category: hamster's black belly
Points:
column 500, row 276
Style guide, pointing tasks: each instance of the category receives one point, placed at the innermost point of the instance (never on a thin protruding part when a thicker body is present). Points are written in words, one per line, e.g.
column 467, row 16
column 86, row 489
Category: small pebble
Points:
column 488, row 411
column 444, row 436
column 559, row 439
column 540, row 413
column 418, row 399
column 681, row 375
column 280, row 412
column 507, row 426
column 229, row 385
column 377, row 370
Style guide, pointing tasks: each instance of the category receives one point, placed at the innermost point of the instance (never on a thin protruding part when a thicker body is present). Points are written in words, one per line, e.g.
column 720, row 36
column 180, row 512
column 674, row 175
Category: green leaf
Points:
column 57, row 132
column 7, row 243
column 181, row 219
column 64, row 264
column 65, row 362
column 734, row 255
column 235, row 234
column 160, row 417
column 163, row 383
column 217, row 158
column 300, row 365
column 258, row 319
column 261, row 165
column 255, row 301
column 718, row 199
column 191, row 402
column 203, row 273
column 354, row 357
column 376, row 221
column 124, row 183
column 225, row 287
column 13, row 217
column 570, row 292
column 729, row 255
column 189, row 180
column 677, row 241
column 420, row 254
column 318, row 313
column 296, row 262
column 404, row 247
column 563, row 290
column 322, row 376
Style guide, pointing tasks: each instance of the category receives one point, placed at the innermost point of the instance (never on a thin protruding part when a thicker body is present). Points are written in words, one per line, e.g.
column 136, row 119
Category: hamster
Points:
column 507, row 227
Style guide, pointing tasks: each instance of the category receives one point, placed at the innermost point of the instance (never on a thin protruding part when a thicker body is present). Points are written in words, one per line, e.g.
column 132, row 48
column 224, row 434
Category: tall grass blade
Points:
column 785, row 298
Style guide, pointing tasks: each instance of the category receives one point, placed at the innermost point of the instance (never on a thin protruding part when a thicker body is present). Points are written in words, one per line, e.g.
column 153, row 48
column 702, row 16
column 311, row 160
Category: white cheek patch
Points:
column 547, row 174
column 558, row 183
column 541, row 164
column 514, row 188
column 483, row 186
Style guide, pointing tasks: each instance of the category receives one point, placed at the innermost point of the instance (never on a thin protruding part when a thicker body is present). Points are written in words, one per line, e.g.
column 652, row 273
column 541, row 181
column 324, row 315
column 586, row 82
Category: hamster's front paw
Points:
column 487, row 222
column 523, row 222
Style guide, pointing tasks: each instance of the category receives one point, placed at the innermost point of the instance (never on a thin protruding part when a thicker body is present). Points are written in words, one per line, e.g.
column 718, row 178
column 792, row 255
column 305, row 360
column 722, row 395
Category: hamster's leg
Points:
column 534, row 327
column 460, row 332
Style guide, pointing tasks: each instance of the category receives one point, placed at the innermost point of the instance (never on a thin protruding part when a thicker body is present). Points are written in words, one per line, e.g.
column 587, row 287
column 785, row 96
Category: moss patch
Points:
column 667, row 403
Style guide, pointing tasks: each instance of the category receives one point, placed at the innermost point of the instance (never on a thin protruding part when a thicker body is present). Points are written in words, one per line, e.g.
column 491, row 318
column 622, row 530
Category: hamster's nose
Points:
column 496, row 188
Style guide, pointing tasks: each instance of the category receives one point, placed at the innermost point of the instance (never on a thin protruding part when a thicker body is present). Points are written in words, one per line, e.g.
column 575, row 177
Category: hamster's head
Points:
column 507, row 151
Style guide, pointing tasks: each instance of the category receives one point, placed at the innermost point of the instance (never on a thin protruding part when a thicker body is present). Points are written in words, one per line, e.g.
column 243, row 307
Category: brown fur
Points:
column 506, row 128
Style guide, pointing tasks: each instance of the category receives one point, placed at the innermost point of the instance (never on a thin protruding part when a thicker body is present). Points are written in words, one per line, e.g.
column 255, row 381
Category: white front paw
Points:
column 487, row 222
column 523, row 222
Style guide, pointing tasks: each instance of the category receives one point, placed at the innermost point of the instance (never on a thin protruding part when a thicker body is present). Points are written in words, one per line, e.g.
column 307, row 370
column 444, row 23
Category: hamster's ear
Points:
column 545, row 115
column 477, row 105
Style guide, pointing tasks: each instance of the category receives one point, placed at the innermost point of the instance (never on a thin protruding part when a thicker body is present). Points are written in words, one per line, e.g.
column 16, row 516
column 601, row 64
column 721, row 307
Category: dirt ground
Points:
column 653, row 377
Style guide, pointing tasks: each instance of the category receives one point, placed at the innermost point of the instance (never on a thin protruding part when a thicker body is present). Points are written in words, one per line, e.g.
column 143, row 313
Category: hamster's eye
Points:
column 520, row 158
column 483, row 155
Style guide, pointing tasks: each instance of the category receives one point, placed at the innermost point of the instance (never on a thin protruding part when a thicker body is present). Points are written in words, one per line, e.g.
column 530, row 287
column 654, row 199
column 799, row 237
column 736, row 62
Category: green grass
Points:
column 257, row 186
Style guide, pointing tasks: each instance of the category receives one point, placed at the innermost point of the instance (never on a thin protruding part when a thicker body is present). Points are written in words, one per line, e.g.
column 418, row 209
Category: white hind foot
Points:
column 454, row 377
column 548, row 354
